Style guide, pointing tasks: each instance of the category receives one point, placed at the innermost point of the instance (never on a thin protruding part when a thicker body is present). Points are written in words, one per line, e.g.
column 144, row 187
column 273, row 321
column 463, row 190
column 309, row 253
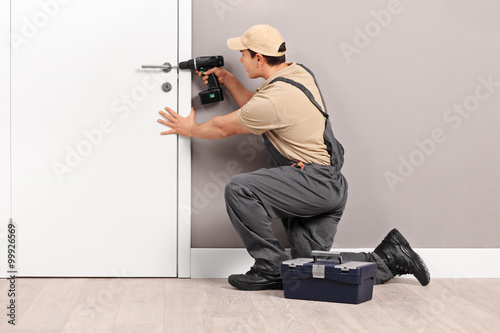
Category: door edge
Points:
column 184, row 144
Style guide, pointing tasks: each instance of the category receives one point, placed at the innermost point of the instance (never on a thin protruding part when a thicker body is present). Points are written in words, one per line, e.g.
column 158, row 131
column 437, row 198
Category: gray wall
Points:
column 410, row 102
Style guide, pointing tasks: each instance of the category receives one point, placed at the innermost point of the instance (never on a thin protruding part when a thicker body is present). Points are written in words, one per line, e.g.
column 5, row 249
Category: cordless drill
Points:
column 203, row 64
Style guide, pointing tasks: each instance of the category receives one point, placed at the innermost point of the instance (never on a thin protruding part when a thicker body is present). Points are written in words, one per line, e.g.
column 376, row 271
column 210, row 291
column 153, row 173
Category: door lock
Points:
column 166, row 67
column 166, row 87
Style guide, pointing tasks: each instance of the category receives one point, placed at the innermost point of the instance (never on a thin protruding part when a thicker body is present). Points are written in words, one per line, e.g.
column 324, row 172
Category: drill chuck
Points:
column 187, row 65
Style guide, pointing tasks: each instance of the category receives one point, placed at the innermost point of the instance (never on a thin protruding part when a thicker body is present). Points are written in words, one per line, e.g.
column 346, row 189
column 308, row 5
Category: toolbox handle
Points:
column 326, row 254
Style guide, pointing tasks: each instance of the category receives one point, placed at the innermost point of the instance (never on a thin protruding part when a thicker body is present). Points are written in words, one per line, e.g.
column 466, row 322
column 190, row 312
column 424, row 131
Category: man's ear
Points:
column 260, row 58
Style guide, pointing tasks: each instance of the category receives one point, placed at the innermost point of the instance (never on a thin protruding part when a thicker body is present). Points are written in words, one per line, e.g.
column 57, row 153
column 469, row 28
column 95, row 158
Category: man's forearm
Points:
column 240, row 94
column 219, row 127
column 211, row 129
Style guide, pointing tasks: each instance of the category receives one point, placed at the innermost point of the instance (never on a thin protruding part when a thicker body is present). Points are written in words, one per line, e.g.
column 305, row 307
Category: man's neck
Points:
column 270, row 70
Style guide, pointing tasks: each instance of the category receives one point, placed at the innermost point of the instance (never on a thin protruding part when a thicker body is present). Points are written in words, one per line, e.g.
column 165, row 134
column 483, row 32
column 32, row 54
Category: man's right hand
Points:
column 221, row 74
column 235, row 88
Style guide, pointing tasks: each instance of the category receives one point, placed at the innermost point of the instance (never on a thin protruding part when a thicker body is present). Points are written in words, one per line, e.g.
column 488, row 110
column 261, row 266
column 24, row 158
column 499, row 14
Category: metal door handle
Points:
column 166, row 67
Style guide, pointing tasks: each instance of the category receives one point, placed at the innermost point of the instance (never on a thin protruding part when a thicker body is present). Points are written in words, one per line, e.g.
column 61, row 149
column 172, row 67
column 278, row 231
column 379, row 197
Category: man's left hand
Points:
column 178, row 124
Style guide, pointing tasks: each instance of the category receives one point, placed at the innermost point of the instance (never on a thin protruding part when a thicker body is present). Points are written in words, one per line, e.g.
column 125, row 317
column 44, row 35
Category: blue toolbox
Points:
column 329, row 280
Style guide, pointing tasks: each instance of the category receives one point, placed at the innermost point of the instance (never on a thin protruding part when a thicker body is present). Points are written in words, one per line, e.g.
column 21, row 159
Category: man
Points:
column 304, row 186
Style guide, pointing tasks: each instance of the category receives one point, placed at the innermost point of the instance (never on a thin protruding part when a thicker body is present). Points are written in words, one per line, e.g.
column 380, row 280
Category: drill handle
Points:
column 213, row 81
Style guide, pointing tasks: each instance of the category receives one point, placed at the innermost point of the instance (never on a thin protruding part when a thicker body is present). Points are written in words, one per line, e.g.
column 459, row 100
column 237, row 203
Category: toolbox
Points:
column 329, row 280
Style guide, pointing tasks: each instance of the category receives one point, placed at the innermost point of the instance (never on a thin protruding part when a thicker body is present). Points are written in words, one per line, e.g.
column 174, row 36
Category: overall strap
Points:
column 334, row 147
column 304, row 90
column 316, row 83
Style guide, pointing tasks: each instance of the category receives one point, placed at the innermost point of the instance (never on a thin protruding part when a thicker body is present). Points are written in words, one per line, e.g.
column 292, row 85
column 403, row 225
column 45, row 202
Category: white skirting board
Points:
column 442, row 263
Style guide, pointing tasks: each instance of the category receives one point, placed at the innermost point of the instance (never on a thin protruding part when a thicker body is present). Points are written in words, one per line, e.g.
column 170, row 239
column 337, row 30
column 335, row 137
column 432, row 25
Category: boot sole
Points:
column 275, row 285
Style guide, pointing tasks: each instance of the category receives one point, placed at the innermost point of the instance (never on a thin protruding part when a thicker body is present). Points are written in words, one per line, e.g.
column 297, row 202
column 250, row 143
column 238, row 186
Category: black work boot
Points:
column 397, row 254
column 254, row 280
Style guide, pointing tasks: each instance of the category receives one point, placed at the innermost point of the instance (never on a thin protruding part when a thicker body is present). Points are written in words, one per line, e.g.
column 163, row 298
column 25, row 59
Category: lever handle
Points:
column 166, row 67
column 326, row 254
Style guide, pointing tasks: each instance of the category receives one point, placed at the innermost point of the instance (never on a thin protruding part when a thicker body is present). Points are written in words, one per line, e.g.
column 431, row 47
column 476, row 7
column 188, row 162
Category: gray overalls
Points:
column 308, row 198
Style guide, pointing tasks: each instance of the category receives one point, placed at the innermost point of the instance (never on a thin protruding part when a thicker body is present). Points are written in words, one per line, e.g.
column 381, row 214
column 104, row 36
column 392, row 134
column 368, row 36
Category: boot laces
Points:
column 398, row 269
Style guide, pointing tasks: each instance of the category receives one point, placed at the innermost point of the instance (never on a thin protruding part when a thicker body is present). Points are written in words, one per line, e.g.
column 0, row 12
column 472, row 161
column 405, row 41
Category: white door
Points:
column 94, row 185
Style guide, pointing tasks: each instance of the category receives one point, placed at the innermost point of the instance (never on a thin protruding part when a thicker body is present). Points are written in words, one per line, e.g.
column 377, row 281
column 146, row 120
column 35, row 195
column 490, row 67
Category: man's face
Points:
column 249, row 63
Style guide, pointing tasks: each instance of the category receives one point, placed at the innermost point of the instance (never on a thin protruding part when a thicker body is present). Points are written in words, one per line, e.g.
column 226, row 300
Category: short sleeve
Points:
column 258, row 115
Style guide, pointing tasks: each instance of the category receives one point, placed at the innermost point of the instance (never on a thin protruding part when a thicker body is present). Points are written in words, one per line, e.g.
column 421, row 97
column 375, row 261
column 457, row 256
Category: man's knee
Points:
column 234, row 186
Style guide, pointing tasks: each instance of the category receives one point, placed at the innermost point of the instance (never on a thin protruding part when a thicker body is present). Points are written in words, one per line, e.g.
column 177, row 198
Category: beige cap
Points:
column 261, row 38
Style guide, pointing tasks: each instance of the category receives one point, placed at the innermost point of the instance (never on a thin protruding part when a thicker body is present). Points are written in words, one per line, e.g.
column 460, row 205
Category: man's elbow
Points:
column 227, row 131
column 224, row 133
column 222, row 128
column 227, row 127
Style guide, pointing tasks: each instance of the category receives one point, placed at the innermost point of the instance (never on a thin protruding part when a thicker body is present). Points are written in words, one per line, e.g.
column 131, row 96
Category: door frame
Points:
column 5, row 187
column 183, row 144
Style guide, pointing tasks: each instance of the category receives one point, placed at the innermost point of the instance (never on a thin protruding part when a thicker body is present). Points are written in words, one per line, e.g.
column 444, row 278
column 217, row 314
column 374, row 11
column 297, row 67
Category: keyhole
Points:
column 166, row 87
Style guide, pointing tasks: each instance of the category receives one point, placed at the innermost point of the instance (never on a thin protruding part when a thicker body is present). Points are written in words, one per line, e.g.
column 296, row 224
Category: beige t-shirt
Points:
column 288, row 118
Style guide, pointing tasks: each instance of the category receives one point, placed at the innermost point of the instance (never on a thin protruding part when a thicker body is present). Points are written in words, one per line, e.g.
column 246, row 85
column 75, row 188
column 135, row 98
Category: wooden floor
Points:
column 211, row 305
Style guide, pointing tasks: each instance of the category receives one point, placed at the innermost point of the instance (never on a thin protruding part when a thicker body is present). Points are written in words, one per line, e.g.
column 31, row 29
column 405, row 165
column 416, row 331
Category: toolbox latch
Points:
column 345, row 267
column 318, row 271
column 292, row 263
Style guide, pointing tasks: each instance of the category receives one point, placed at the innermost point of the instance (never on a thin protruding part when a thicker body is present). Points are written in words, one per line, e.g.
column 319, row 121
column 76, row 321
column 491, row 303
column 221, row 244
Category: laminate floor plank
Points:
column 186, row 306
column 230, row 309
column 491, row 302
column 397, row 306
column 51, row 301
column 470, row 304
column 138, row 328
column 5, row 301
column 210, row 305
column 427, row 309
column 142, row 302
column 451, row 306
column 279, row 314
column 26, row 290
column 97, row 306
